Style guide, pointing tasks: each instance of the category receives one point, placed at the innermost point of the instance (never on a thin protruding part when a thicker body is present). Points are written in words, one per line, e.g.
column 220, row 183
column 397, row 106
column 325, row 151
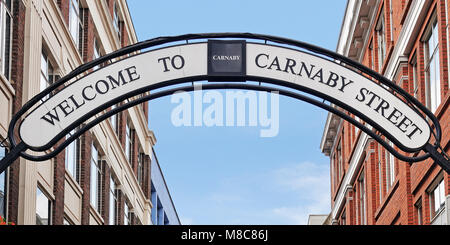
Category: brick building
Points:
column 407, row 42
column 102, row 178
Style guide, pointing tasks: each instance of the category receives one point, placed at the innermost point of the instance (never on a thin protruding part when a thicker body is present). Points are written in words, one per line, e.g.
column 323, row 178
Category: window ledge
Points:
column 75, row 186
column 7, row 84
column 438, row 214
column 96, row 215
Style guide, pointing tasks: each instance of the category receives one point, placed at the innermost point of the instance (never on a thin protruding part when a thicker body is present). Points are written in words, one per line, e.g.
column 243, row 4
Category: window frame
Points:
column 439, row 186
column 433, row 96
column 76, row 168
column 140, row 167
column 6, row 37
column 389, row 161
column 47, row 77
column 419, row 211
column 126, row 214
column 415, row 77
column 114, row 120
column 128, row 141
column 380, row 174
column 117, row 21
column 113, row 197
column 381, row 40
column 340, row 160
column 50, row 205
column 77, row 23
column 362, row 198
column 96, row 191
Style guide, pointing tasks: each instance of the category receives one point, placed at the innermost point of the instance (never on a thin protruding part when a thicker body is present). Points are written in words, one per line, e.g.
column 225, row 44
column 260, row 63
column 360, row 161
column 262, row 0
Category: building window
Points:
column 116, row 21
column 437, row 198
column 113, row 202
column 47, row 73
column 380, row 175
column 362, row 199
column 381, row 35
column 43, row 209
column 96, row 179
column 419, row 214
column 415, row 78
column 343, row 218
column 76, row 23
column 5, row 36
column 340, row 167
column 72, row 159
column 372, row 56
column 432, row 68
column 126, row 215
column 390, row 167
column 140, row 167
column 3, row 187
column 97, row 53
column 114, row 119
column 128, row 146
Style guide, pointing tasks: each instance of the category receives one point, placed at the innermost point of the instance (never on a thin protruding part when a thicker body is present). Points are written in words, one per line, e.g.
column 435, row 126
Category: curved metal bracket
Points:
column 18, row 149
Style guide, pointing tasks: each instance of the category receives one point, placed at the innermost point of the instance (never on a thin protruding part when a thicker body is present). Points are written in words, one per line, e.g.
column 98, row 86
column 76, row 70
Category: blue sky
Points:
column 229, row 175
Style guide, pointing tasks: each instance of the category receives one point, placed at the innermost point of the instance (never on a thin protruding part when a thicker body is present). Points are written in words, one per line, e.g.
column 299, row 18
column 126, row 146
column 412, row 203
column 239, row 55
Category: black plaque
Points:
column 227, row 60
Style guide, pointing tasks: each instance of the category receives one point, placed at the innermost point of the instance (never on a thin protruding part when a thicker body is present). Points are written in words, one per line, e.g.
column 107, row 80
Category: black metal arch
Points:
column 18, row 149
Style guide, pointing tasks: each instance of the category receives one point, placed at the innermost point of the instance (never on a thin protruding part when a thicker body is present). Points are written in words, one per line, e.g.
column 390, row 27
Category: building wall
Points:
column 382, row 199
column 41, row 26
column 164, row 212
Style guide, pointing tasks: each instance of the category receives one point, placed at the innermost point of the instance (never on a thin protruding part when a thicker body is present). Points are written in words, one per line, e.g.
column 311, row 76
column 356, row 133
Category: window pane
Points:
column 94, row 180
column 437, row 204
column 128, row 142
column 71, row 158
column 73, row 20
column 126, row 215
column 112, row 202
column 42, row 209
column 433, row 69
column 7, row 45
column 441, row 193
column 114, row 119
column 44, row 68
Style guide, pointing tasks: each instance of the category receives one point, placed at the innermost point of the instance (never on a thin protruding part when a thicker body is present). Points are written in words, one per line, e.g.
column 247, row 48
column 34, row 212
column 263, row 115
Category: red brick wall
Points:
column 59, row 166
column 412, row 180
column 85, row 176
column 64, row 7
column 88, row 36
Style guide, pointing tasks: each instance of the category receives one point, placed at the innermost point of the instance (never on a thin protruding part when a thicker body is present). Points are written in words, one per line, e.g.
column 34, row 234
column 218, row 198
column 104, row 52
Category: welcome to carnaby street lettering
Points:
column 191, row 61
column 343, row 84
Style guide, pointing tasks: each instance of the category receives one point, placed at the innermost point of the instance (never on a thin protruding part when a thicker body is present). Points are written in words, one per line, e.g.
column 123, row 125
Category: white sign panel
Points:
column 324, row 76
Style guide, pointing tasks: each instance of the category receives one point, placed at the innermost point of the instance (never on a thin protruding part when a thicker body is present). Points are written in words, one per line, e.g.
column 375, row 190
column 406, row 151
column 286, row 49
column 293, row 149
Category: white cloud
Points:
column 311, row 183
column 287, row 195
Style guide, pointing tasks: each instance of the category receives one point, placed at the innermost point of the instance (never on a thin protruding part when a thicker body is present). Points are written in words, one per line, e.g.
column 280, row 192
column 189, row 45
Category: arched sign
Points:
column 321, row 73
